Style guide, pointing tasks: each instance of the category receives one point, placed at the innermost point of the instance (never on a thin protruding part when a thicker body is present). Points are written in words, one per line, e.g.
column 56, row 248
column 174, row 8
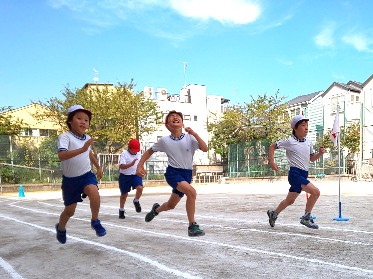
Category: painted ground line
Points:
column 213, row 243
column 9, row 269
column 212, row 226
column 247, row 249
column 260, row 222
column 220, row 218
column 112, row 248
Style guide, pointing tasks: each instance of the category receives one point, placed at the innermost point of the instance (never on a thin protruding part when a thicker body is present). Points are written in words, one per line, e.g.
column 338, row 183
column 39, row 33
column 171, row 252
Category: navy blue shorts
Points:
column 297, row 177
column 174, row 176
column 72, row 187
column 128, row 181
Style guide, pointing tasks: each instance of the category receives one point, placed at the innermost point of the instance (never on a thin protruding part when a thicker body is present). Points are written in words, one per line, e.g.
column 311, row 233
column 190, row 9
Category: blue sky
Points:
column 236, row 48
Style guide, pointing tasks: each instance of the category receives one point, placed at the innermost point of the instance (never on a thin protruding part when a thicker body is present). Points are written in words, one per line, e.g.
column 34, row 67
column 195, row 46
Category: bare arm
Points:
column 315, row 157
column 271, row 156
column 126, row 166
column 140, row 170
column 95, row 163
column 68, row 154
column 201, row 143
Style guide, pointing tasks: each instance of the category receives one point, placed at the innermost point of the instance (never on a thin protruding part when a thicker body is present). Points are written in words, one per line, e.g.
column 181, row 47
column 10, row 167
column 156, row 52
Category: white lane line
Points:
column 221, row 218
column 308, row 236
column 211, row 243
column 9, row 269
column 112, row 248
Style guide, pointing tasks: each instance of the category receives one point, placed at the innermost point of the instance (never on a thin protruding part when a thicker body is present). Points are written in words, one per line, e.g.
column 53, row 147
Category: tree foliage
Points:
column 349, row 138
column 118, row 114
column 8, row 124
column 265, row 118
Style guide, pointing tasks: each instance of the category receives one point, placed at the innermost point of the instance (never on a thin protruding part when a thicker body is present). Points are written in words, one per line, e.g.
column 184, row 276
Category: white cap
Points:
column 78, row 107
column 296, row 119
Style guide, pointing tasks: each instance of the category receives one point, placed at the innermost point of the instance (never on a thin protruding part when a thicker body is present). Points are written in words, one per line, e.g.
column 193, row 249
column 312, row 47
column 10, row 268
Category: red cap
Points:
column 134, row 145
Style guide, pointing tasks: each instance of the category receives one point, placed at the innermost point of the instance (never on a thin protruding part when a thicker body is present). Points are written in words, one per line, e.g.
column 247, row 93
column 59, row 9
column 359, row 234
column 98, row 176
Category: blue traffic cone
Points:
column 21, row 192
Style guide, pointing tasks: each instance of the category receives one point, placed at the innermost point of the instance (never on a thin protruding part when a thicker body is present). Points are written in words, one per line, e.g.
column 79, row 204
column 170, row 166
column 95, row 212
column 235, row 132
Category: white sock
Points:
column 121, row 209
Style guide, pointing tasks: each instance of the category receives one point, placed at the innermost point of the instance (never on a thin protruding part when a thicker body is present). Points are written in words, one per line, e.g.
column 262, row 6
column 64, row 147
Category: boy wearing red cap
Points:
column 128, row 161
column 180, row 148
column 299, row 153
column 76, row 156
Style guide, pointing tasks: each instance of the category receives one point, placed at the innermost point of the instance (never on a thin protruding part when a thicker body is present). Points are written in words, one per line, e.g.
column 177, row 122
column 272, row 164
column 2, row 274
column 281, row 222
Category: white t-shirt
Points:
column 79, row 164
column 126, row 158
column 180, row 151
column 297, row 152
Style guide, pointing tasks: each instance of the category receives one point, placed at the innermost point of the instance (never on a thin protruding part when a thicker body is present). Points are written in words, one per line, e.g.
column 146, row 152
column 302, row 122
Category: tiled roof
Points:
column 302, row 99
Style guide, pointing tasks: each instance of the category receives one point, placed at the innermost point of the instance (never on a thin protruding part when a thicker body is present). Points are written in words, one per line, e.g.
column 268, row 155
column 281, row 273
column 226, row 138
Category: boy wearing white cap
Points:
column 128, row 161
column 299, row 153
column 180, row 148
column 76, row 156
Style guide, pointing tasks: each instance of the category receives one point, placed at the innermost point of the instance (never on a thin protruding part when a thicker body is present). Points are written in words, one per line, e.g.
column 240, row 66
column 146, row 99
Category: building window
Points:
column 357, row 98
column 47, row 132
column 187, row 117
column 195, row 118
column 26, row 132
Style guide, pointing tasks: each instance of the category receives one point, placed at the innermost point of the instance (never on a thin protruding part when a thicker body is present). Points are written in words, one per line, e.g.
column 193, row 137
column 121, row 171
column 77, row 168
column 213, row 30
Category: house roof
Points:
column 367, row 81
column 351, row 86
column 303, row 98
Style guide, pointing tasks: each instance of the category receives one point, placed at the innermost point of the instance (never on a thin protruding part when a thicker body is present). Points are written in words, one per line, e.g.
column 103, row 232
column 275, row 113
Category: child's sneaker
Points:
column 272, row 215
column 152, row 213
column 137, row 206
column 194, row 230
column 61, row 235
column 121, row 214
column 96, row 225
column 308, row 222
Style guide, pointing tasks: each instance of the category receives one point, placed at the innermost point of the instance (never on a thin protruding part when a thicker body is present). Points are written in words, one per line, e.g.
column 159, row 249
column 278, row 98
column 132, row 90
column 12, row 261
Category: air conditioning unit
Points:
column 173, row 98
column 148, row 92
column 162, row 94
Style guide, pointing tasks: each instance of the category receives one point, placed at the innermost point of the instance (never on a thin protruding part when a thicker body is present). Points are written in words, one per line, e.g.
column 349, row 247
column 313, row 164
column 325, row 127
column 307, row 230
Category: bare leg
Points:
column 138, row 194
column 191, row 194
column 122, row 200
column 66, row 214
column 314, row 195
column 94, row 199
column 289, row 200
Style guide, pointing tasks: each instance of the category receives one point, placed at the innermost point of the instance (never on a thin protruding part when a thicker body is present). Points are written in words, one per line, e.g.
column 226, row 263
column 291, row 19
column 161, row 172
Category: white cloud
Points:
column 285, row 62
column 359, row 41
column 326, row 36
column 224, row 11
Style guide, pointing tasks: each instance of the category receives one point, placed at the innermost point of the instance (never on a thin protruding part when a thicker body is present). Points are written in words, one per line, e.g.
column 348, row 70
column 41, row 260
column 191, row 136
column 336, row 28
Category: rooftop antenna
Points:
column 95, row 79
column 185, row 64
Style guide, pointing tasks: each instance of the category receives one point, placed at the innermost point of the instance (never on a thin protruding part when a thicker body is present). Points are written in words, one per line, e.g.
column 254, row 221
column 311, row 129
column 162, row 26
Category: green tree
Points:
column 118, row 114
column 265, row 118
column 349, row 138
column 225, row 131
column 8, row 124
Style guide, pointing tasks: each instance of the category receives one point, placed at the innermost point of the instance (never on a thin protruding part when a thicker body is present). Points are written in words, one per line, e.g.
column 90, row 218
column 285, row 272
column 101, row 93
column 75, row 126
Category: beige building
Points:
column 32, row 126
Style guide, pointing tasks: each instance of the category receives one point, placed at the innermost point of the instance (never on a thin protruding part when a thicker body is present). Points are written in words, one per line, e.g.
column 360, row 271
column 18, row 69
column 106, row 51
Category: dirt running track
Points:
column 239, row 243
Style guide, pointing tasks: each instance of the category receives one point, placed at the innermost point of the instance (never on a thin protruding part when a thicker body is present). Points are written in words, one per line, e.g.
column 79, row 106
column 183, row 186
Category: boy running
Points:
column 127, row 178
column 76, row 156
column 180, row 148
column 299, row 153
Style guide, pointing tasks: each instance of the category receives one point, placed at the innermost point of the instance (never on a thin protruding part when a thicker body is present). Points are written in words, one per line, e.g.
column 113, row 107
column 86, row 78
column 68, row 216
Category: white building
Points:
column 354, row 103
column 196, row 107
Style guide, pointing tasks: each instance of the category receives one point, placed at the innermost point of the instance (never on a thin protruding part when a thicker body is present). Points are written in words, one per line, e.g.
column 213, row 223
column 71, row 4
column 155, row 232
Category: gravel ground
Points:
column 239, row 243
